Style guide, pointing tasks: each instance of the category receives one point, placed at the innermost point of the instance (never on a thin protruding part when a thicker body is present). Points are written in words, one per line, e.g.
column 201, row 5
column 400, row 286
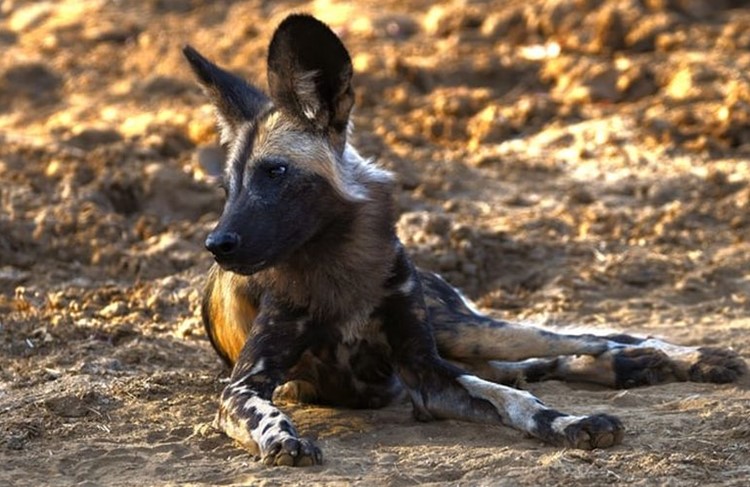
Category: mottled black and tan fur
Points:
column 313, row 296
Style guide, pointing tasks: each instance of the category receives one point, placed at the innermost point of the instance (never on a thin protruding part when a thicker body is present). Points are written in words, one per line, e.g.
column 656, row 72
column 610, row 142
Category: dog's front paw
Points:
column 718, row 365
column 584, row 432
column 596, row 431
column 292, row 452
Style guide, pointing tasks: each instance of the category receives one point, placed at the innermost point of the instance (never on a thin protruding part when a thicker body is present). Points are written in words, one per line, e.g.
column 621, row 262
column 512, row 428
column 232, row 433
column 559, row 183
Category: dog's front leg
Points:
column 246, row 412
column 441, row 390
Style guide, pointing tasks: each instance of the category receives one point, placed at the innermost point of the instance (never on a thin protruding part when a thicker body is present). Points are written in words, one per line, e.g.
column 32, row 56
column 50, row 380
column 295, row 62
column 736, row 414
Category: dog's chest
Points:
column 361, row 327
column 363, row 341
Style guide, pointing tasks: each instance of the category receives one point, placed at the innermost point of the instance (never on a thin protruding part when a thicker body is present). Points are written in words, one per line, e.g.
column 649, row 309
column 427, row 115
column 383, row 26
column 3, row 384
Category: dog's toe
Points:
column 596, row 431
column 293, row 452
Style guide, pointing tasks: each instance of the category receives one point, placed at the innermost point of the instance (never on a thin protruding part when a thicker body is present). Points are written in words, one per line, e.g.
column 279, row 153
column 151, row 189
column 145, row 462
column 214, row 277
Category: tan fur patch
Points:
column 232, row 317
column 282, row 137
column 511, row 342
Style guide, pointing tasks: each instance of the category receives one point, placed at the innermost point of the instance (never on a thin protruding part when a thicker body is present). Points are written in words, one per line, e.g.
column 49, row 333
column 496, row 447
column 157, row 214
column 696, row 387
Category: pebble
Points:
column 644, row 34
column 113, row 309
column 610, row 32
column 443, row 20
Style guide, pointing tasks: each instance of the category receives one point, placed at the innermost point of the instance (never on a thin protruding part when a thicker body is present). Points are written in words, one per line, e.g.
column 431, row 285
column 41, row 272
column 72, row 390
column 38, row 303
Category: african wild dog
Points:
column 314, row 297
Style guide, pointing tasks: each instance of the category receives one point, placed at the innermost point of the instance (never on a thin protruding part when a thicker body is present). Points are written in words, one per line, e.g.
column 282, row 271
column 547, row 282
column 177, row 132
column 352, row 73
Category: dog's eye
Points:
column 276, row 171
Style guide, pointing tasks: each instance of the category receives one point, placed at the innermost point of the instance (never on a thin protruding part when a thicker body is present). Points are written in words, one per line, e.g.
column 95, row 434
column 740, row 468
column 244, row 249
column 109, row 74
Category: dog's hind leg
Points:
column 463, row 333
column 622, row 367
column 507, row 352
column 441, row 390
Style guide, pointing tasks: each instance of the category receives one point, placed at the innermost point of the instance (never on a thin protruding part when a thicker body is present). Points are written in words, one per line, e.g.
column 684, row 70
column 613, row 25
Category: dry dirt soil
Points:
column 565, row 161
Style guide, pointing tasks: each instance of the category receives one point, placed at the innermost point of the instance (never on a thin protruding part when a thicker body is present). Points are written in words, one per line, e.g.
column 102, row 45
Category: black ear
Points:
column 310, row 73
column 235, row 100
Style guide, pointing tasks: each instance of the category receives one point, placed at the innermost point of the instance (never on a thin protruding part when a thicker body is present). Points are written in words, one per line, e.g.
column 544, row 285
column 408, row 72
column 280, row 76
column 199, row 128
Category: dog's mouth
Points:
column 242, row 268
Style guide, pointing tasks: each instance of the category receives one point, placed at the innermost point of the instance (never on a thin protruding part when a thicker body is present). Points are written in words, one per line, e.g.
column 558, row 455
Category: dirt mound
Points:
column 561, row 161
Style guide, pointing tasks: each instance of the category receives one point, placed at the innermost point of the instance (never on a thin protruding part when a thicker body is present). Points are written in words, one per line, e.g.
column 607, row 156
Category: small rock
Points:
column 11, row 277
column 459, row 101
column 688, row 82
column 508, row 25
column 136, row 125
column 489, row 126
column 29, row 16
column 416, row 75
column 469, row 269
column 438, row 224
column 602, row 86
column 644, row 34
column 202, row 127
column 447, row 261
column 444, row 20
column 101, row 366
column 15, row 442
column 735, row 36
column 671, row 41
column 68, row 406
column 113, row 309
column 697, row 9
column 109, row 33
column 554, row 18
column 123, row 192
column 636, row 82
column 400, row 26
column 163, row 86
column 189, row 327
column 89, row 138
column 610, row 32
column 7, row 37
column 395, row 26
column 626, row 399
column 580, row 196
column 366, row 62
column 34, row 83
column 497, row 123
column 173, row 193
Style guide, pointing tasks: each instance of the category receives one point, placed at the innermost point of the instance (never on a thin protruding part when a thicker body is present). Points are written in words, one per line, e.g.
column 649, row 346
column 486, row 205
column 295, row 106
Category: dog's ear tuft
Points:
column 235, row 100
column 310, row 72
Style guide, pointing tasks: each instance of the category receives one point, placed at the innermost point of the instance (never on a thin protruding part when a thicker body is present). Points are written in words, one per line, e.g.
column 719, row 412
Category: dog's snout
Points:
column 222, row 243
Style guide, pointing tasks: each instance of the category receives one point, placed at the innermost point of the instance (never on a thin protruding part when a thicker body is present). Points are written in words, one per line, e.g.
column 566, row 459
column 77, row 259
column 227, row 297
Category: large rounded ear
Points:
column 310, row 72
column 235, row 100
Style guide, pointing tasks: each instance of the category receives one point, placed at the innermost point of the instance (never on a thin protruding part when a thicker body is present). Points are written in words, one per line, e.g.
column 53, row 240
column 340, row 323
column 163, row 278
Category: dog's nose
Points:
column 222, row 243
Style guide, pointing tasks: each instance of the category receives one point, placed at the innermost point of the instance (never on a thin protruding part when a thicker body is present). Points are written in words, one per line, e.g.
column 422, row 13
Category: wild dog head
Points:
column 290, row 173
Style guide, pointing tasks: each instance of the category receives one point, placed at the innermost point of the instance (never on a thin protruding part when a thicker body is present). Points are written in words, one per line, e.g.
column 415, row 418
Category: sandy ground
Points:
column 562, row 161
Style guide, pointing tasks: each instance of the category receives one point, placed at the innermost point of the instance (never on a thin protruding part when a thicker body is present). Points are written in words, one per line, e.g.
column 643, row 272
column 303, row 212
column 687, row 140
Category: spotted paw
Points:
column 292, row 452
column 596, row 431
column 584, row 432
column 718, row 365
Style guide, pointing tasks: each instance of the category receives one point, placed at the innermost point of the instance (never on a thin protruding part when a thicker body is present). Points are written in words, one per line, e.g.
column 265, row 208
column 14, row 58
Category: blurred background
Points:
column 565, row 161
